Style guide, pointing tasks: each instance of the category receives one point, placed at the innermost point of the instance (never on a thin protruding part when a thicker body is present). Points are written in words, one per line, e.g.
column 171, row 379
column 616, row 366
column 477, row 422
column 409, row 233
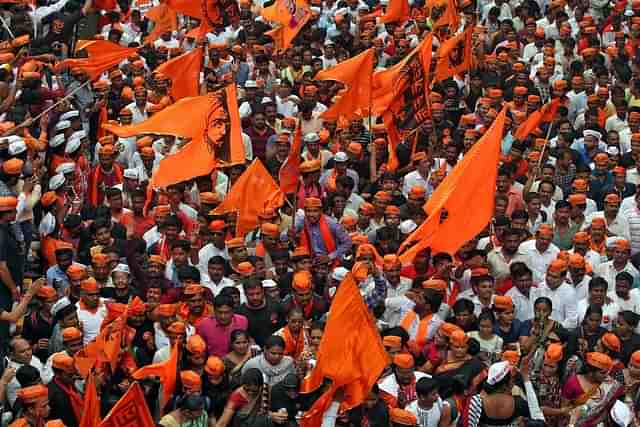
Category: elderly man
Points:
column 20, row 354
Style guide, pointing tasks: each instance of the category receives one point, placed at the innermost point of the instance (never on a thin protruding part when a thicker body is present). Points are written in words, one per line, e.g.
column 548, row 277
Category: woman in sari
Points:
column 190, row 413
column 548, row 387
column 593, row 392
column 245, row 405
column 293, row 334
column 240, row 352
column 609, row 344
column 459, row 364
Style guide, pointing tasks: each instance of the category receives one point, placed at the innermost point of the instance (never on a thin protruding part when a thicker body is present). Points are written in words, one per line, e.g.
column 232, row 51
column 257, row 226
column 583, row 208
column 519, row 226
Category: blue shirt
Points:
column 318, row 247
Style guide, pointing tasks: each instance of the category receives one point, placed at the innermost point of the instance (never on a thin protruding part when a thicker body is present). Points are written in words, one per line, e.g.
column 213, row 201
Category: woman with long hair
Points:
column 239, row 353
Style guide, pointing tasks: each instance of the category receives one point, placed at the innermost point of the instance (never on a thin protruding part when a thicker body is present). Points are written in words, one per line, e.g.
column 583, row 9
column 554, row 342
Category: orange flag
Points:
column 355, row 73
column 91, row 407
column 350, row 354
column 289, row 175
column 397, row 11
column 192, row 8
column 219, row 145
column 166, row 371
column 244, row 199
column 290, row 22
column 97, row 64
column 454, row 196
column 184, row 71
column 450, row 17
column 130, row 410
column 544, row 114
column 164, row 19
column 455, row 56
column 84, row 364
column 96, row 47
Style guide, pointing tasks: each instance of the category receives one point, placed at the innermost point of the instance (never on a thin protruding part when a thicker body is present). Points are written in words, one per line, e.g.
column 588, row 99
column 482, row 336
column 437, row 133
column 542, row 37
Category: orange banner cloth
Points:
column 351, row 353
column 184, row 71
column 449, row 18
column 469, row 208
column 164, row 19
column 356, row 74
column 289, row 175
column 91, row 408
column 291, row 22
column 245, row 198
column 97, row 64
column 543, row 115
column 397, row 11
column 455, row 56
column 131, row 409
column 211, row 147
column 167, row 372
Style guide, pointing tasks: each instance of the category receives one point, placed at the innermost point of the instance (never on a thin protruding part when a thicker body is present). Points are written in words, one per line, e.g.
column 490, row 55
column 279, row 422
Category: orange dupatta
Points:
column 74, row 397
column 423, row 328
column 293, row 345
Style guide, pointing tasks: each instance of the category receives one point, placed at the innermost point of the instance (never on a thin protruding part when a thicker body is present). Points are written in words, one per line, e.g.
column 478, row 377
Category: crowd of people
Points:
column 533, row 322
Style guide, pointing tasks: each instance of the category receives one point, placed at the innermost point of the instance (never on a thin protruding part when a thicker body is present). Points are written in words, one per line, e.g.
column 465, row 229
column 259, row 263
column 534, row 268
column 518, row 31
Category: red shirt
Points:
column 218, row 337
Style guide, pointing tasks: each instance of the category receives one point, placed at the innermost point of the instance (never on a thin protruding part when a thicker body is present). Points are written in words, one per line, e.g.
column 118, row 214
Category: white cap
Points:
column 59, row 305
column 69, row 115
column 621, row 414
column 47, row 225
column 67, row 167
column 56, row 181
column 17, row 147
column 363, row 7
column 251, row 83
column 266, row 100
column 407, row 226
column 131, row 173
column 72, row 145
column 121, row 268
column 79, row 134
column 57, row 140
column 311, row 137
column 613, row 151
column 63, row 124
column 340, row 157
column 610, row 241
column 339, row 273
column 268, row 283
column 497, row 372
column 595, row 134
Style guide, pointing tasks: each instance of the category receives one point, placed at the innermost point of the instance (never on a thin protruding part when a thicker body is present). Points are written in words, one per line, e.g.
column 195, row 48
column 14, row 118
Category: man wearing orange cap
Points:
column 91, row 309
column 399, row 390
column 65, row 400
column 325, row 238
column 35, row 404
column 215, row 247
column 303, row 296
column 616, row 222
column 561, row 294
column 423, row 161
column 104, row 175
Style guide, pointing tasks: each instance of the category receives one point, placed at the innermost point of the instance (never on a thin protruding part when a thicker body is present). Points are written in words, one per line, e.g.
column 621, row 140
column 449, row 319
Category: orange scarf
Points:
column 94, row 181
column 293, row 345
column 74, row 397
column 331, row 181
column 260, row 251
column 423, row 327
column 325, row 232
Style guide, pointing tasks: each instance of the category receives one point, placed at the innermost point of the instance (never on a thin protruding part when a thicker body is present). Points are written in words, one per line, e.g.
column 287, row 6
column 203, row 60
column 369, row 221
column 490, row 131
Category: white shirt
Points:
column 414, row 179
column 619, row 226
column 427, row 417
column 608, row 272
column 207, row 252
column 91, row 321
column 536, row 261
column 137, row 114
column 162, row 340
column 523, row 306
column 395, row 309
column 564, row 302
column 609, row 313
column 14, row 385
column 581, row 288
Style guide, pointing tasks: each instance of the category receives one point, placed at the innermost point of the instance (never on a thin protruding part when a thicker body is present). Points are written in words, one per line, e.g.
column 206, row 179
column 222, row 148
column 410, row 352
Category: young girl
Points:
column 490, row 343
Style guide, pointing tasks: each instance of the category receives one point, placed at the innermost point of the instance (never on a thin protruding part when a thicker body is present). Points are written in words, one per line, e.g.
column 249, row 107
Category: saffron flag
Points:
column 215, row 131
column 289, row 175
column 397, row 11
column 356, row 74
column 91, row 407
column 131, row 410
column 184, row 71
column 449, row 18
column 167, row 371
column 543, row 115
column 291, row 16
column 164, row 19
column 351, row 354
column 455, row 56
column 96, row 47
column 97, row 64
column 454, row 196
column 254, row 191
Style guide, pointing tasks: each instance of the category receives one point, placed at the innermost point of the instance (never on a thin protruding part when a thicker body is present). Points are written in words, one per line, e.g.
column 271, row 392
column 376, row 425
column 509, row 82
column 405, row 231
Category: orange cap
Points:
column 302, row 281
column 71, row 334
column 166, row 310
column 599, row 360
column 554, row 353
column 214, row 366
column 611, row 341
column 13, row 166
column 64, row 362
column 76, row 272
column 501, row 302
column 89, row 285
column 33, row 394
column 404, row 361
column 577, row 261
column 435, row 284
column 190, row 380
column 557, row 266
column 195, row 344
column 312, row 202
column 459, row 338
column 393, row 341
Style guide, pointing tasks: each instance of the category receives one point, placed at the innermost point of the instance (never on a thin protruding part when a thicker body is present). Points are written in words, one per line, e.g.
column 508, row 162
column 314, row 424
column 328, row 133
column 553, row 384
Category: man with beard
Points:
column 501, row 258
column 265, row 315
column 155, row 278
column 259, row 133
column 194, row 308
column 91, row 309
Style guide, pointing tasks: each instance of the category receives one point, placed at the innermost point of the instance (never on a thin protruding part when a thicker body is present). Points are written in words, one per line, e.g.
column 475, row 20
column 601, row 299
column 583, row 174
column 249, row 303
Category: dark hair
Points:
column 630, row 317
column 562, row 204
column 251, row 283
column 188, row 272
column 317, row 324
column 519, row 269
column 235, row 334
column 519, row 214
column 396, row 331
column 425, row 386
column 346, row 181
column 27, row 375
column 222, row 300
column 543, row 300
column 182, row 244
column 493, row 388
column 487, row 314
column 592, row 309
column 625, row 277
column 100, row 222
column 598, row 282
column 217, row 260
column 192, row 402
column 253, row 376
column 463, row 304
column 274, row 341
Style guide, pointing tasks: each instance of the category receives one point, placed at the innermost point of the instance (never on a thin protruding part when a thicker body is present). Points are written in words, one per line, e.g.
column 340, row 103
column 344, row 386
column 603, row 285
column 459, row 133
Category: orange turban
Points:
column 302, row 281
column 435, row 284
column 33, row 394
column 214, row 366
column 157, row 259
column 599, row 360
column 635, row 358
column 71, row 334
column 246, row 268
column 503, row 302
column 312, row 202
column 236, row 242
column 217, row 225
column 581, row 237
column 448, row 329
column 269, row 229
column 554, row 353
column 89, row 285
column 177, row 328
column 392, row 341
column 404, row 361
column 389, row 262
column 190, row 381
column 192, row 289
column 166, row 310
column 195, row 344
column 557, row 266
column 511, row 356
column 46, row 292
column 611, row 341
